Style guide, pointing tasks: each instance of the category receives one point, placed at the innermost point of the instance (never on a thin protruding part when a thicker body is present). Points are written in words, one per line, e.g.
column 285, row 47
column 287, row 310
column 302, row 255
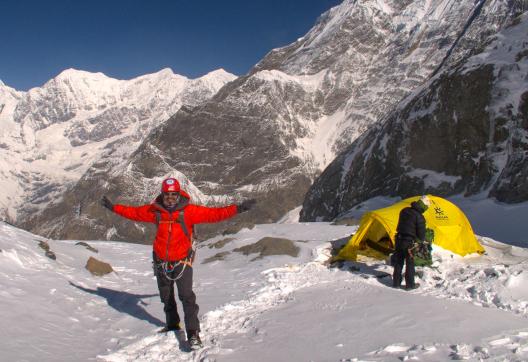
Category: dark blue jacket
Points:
column 411, row 226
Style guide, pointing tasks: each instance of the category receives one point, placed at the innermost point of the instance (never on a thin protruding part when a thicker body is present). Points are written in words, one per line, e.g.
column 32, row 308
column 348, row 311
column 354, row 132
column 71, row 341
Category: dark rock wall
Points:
column 462, row 133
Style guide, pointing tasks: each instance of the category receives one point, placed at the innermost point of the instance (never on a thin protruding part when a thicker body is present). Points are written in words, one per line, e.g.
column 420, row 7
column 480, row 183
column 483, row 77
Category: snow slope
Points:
column 277, row 307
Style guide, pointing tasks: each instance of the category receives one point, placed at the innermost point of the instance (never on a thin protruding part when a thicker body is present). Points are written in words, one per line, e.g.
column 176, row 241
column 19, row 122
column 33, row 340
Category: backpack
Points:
column 181, row 217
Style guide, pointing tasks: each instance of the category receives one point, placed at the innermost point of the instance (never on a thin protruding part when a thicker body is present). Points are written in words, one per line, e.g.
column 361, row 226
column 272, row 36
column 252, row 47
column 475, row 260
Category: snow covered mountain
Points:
column 363, row 57
column 464, row 131
column 269, row 133
column 53, row 134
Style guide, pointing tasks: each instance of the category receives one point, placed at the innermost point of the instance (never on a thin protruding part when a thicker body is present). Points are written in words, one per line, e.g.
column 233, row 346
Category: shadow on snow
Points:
column 124, row 302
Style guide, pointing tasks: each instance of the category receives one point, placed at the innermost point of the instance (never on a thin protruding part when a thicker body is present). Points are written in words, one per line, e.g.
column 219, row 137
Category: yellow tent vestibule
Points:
column 376, row 234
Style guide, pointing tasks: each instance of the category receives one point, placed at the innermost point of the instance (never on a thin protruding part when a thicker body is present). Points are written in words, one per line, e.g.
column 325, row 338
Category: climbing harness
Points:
column 168, row 267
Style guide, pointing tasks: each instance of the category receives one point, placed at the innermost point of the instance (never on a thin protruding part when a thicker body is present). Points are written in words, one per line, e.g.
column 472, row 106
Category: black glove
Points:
column 107, row 203
column 246, row 205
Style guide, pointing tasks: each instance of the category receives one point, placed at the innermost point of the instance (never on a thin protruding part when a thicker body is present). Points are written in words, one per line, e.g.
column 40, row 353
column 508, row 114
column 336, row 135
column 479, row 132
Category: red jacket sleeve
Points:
column 137, row 213
column 202, row 214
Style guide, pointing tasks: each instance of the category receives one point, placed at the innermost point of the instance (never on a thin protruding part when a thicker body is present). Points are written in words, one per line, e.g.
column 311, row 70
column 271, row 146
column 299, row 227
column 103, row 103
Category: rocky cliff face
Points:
column 464, row 131
column 269, row 133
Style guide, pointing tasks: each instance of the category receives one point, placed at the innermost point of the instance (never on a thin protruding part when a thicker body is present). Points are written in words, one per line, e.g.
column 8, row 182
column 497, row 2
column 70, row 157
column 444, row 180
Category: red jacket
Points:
column 171, row 243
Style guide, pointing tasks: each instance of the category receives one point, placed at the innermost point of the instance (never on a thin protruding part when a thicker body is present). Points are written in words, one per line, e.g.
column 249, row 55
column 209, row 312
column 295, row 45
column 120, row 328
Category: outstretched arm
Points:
column 139, row 213
column 202, row 214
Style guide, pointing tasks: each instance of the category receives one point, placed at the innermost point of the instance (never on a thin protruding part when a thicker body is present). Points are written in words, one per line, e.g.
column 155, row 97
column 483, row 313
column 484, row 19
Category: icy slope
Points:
column 472, row 307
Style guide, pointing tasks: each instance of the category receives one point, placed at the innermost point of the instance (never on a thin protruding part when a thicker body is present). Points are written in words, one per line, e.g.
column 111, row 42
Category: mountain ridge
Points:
column 56, row 132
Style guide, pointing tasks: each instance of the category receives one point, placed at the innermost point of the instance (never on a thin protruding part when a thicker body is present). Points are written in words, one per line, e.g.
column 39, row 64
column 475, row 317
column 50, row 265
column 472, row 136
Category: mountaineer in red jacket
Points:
column 173, row 248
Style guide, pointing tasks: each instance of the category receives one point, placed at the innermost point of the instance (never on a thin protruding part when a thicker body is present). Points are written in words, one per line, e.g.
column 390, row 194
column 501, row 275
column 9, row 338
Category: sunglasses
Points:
column 171, row 194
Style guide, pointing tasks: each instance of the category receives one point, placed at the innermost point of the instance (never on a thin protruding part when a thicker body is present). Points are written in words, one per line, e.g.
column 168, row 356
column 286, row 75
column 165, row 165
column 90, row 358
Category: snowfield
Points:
column 275, row 307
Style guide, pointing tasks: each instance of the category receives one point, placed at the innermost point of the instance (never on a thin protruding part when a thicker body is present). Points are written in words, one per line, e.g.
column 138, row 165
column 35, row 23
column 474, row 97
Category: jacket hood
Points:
column 418, row 206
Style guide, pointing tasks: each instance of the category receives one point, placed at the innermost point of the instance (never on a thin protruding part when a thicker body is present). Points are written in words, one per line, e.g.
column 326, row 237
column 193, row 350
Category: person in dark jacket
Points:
column 173, row 251
column 410, row 229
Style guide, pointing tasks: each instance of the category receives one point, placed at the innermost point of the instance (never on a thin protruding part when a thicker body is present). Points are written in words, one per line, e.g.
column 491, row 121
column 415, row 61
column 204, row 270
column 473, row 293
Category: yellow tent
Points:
column 377, row 230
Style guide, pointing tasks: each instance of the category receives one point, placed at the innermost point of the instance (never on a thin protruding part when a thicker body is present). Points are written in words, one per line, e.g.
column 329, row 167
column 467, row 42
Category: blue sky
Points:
column 128, row 38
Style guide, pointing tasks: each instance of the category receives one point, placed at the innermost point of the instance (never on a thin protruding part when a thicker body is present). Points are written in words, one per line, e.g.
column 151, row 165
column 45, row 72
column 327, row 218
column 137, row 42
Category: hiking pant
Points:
column 401, row 256
column 185, row 294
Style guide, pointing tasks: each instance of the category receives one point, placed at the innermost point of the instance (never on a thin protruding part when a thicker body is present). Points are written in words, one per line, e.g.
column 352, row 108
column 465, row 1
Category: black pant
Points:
column 185, row 294
column 402, row 255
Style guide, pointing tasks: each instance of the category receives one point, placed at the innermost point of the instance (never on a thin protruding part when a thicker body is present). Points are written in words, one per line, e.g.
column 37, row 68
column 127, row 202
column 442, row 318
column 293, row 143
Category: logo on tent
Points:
column 439, row 213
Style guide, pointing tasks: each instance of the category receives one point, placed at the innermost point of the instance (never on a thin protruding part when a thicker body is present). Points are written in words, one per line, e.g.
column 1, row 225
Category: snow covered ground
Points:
column 277, row 307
